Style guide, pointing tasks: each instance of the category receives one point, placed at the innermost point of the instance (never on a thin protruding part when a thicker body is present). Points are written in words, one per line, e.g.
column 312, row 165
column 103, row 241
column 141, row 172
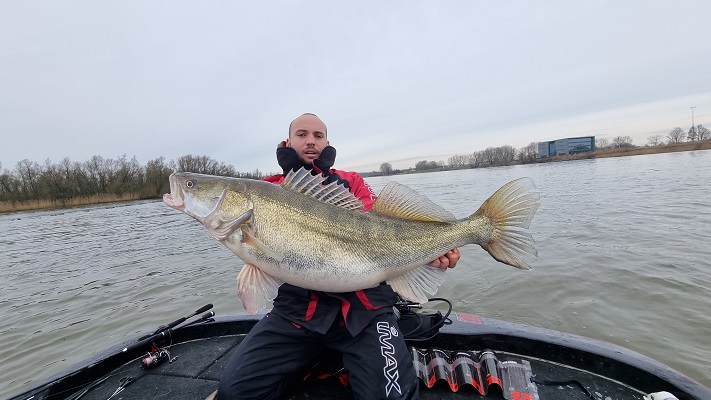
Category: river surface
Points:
column 624, row 250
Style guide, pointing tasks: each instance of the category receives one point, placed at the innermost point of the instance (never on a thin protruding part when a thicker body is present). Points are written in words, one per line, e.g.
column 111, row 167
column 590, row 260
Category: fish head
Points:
column 205, row 197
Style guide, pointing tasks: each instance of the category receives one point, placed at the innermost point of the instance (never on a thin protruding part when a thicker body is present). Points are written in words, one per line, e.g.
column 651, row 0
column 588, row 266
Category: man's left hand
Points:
column 449, row 260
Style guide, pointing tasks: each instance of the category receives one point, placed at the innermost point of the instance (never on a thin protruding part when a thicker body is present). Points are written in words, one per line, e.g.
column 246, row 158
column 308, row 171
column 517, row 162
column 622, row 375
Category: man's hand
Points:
column 449, row 260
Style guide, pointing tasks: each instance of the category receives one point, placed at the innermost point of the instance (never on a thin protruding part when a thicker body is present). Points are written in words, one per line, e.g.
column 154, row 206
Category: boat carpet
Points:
column 196, row 372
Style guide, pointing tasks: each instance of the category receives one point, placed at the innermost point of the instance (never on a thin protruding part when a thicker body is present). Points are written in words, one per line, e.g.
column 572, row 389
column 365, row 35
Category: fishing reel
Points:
column 162, row 338
column 153, row 358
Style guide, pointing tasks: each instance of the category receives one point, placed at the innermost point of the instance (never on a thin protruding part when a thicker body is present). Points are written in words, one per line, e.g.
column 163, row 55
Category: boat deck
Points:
column 472, row 358
column 196, row 372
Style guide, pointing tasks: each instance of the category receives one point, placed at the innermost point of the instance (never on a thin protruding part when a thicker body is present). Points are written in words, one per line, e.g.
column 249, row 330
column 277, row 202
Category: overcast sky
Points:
column 394, row 81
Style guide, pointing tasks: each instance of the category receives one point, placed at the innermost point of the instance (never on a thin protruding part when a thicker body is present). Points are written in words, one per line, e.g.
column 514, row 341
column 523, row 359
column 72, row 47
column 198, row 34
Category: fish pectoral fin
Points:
column 255, row 287
column 418, row 283
column 250, row 238
column 221, row 228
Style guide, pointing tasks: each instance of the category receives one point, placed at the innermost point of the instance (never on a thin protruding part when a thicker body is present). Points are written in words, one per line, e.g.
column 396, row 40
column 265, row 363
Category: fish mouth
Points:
column 171, row 202
column 174, row 199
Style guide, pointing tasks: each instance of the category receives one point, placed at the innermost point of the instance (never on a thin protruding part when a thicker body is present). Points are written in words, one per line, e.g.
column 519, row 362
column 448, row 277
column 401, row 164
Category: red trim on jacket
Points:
column 345, row 306
column 311, row 309
column 365, row 300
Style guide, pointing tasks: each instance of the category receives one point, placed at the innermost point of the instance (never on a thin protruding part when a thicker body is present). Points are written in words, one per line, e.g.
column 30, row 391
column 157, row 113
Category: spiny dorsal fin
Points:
column 303, row 182
column 400, row 201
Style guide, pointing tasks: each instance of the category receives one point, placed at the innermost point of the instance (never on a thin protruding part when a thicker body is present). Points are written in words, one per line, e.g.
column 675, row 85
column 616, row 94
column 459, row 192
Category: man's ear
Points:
column 287, row 142
column 328, row 143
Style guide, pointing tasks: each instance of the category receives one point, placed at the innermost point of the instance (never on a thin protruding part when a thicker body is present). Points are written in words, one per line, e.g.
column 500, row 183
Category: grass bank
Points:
column 7, row 206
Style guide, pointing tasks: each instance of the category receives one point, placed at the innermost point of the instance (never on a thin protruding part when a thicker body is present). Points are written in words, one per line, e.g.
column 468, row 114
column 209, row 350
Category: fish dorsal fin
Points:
column 418, row 283
column 255, row 287
column 398, row 200
column 303, row 182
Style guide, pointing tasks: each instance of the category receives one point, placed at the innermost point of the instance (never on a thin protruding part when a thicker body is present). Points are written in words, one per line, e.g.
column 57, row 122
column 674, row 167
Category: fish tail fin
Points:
column 507, row 214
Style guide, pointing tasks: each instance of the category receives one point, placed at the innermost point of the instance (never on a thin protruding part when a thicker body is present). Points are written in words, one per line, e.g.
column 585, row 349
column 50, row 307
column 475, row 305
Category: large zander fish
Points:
column 317, row 237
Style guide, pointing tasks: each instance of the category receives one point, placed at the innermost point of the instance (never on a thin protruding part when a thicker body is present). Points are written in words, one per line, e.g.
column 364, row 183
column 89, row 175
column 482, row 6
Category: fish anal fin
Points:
column 307, row 184
column 250, row 238
column 417, row 284
column 255, row 287
column 400, row 201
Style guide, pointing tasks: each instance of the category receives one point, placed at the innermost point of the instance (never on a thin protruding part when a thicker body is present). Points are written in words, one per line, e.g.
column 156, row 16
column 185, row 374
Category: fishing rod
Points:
column 163, row 330
column 183, row 319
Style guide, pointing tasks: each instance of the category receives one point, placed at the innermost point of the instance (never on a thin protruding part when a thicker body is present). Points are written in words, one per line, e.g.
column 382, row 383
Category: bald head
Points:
column 307, row 136
column 307, row 118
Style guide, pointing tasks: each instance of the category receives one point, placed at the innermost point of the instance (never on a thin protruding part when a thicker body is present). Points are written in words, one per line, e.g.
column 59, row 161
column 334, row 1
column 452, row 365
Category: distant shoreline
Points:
column 634, row 151
column 621, row 152
column 8, row 207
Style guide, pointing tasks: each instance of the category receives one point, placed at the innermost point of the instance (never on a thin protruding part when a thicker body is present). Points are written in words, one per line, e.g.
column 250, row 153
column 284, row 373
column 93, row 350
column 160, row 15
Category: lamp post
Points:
column 692, row 117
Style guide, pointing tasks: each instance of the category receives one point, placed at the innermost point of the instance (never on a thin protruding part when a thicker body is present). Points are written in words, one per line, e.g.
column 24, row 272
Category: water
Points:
column 624, row 256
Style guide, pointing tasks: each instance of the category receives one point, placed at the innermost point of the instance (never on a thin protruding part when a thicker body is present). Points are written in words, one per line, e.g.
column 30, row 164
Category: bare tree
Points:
column 386, row 168
column 677, row 135
column 54, row 182
column 425, row 165
column 28, row 172
column 656, row 140
column 703, row 133
column 529, row 152
column 691, row 136
column 129, row 176
column 156, row 177
column 602, row 144
column 622, row 141
column 9, row 186
column 204, row 165
column 100, row 175
column 507, row 155
column 488, row 156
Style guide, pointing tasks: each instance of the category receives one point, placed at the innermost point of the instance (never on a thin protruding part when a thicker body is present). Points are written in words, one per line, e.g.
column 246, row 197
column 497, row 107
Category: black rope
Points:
column 560, row 383
column 429, row 333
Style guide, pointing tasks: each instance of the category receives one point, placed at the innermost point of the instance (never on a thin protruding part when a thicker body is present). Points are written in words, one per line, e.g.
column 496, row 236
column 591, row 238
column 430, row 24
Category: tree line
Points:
column 126, row 178
column 677, row 135
column 121, row 177
column 508, row 155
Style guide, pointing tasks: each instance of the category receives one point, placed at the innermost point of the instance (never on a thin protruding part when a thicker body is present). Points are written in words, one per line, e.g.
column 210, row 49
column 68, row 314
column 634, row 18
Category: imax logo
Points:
column 386, row 333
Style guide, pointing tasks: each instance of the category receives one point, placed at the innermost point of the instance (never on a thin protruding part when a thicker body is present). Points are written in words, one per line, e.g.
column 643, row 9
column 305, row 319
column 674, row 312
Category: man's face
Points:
column 307, row 137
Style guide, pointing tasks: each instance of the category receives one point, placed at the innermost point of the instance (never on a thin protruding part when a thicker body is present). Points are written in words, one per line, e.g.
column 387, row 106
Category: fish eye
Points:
column 190, row 183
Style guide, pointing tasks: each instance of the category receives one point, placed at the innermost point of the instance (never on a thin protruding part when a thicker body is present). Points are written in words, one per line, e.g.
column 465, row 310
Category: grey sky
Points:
column 394, row 81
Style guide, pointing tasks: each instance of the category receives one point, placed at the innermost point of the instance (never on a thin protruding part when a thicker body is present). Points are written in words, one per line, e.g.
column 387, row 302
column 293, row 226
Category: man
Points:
column 361, row 325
